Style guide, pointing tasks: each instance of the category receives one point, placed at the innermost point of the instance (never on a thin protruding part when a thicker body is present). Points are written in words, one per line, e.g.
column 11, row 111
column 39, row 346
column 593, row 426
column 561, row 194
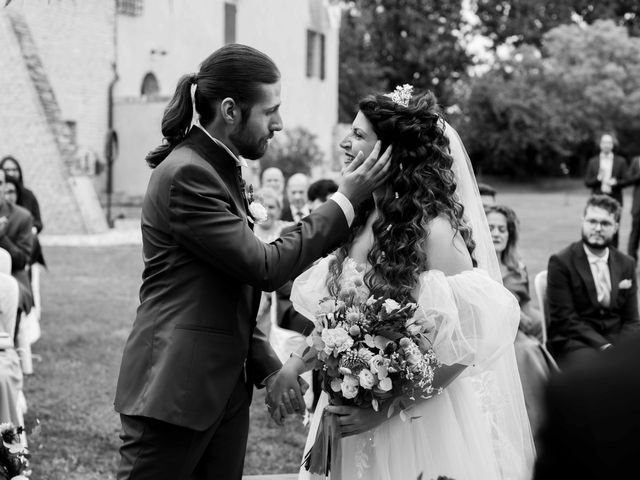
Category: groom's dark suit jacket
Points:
column 576, row 319
column 195, row 328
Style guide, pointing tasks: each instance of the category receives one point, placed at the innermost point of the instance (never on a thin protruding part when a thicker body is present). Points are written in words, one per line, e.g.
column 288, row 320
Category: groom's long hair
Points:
column 234, row 71
column 422, row 187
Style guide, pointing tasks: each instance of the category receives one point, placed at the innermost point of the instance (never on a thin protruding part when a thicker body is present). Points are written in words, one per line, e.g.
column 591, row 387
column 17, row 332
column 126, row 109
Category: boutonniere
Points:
column 256, row 210
column 625, row 284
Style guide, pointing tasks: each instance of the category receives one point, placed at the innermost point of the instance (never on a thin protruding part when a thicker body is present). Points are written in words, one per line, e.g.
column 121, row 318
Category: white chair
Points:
column 540, row 285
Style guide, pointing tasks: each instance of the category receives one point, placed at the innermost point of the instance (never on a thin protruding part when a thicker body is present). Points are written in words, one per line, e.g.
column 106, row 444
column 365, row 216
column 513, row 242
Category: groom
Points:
column 194, row 352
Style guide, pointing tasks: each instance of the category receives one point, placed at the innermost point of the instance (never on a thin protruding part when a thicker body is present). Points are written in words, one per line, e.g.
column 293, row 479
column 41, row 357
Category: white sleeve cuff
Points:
column 345, row 204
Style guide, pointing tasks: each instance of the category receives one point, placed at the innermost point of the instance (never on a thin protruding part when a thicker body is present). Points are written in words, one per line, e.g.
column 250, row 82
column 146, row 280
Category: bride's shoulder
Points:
column 441, row 235
column 446, row 249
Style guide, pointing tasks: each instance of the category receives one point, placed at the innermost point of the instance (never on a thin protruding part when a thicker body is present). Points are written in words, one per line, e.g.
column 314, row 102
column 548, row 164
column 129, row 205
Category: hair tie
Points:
column 194, row 78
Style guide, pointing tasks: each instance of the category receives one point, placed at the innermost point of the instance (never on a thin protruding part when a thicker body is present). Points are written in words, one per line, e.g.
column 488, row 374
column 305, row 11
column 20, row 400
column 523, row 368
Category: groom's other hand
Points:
column 361, row 177
column 285, row 392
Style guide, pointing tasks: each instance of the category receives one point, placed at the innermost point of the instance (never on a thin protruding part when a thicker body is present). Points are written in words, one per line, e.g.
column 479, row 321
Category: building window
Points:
column 229, row 23
column 150, row 87
column 132, row 8
column 315, row 54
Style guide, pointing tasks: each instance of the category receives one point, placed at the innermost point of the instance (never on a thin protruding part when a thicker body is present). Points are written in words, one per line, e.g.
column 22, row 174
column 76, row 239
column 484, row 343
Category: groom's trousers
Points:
column 155, row 450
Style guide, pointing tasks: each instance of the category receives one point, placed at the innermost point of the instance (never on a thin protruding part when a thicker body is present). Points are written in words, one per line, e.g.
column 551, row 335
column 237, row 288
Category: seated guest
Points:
column 16, row 237
column 535, row 364
column 268, row 231
column 319, row 191
column 592, row 418
column 271, row 228
column 591, row 288
column 27, row 199
column 273, row 178
column 295, row 206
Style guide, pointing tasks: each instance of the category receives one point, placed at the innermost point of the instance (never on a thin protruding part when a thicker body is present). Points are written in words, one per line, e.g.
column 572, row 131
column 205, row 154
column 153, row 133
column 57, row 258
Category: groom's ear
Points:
column 229, row 111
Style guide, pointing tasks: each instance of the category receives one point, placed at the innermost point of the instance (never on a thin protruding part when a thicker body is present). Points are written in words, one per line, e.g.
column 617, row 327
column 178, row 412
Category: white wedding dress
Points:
column 477, row 429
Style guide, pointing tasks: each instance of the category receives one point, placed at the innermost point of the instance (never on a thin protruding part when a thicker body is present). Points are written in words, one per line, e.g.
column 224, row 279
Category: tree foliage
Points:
column 384, row 43
column 539, row 110
column 526, row 21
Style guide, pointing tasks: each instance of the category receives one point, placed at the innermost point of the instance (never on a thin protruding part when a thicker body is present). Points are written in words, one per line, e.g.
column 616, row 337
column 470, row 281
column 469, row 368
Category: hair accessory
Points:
column 396, row 195
column 388, row 228
column 401, row 95
column 194, row 78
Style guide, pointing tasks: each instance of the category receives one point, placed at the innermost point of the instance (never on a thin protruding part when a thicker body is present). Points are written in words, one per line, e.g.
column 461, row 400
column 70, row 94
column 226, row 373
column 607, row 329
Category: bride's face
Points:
column 361, row 138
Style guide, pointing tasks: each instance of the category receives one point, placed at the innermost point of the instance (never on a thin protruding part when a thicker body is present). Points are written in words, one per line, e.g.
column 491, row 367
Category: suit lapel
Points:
column 223, row 163
column 584, row 270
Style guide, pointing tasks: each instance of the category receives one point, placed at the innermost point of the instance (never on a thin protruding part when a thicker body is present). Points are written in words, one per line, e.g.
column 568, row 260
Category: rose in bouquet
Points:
column 371, row 352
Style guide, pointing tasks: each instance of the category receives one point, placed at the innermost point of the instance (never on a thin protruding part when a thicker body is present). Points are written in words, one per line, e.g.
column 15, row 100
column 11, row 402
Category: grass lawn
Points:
column 89, row 298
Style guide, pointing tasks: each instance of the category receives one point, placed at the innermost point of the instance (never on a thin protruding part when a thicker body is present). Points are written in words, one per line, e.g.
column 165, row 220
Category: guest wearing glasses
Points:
column 591, row 288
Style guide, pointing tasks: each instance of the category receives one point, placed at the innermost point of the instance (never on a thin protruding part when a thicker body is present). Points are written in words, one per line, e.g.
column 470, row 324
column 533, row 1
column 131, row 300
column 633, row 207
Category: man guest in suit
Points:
column 593, row 418
column 606, row 173
column 273, row 178
column 296, row 207
column 194, row 352
column 591, row 288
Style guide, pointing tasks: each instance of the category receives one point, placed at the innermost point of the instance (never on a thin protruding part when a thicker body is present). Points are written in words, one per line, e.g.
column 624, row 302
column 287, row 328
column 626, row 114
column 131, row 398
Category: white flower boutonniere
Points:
column 625, row 284
column 258, row 212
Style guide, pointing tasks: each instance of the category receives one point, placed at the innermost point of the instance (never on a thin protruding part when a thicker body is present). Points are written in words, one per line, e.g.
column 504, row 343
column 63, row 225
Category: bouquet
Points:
column 14, row 456
column 372, row 352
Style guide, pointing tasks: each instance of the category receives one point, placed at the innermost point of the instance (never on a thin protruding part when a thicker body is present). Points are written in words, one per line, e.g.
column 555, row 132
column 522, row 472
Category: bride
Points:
column 423, row 238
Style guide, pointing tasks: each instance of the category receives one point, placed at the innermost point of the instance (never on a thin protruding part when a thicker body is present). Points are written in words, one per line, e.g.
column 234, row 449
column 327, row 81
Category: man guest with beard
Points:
column 591, row 288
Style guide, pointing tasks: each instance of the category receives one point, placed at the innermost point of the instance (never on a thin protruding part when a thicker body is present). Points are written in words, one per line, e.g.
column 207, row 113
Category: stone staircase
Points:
column 35, row 131
column 50, row 107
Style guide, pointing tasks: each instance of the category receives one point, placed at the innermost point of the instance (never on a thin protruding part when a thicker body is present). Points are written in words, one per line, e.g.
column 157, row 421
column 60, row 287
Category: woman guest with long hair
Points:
column 535, row 364
column 28, row 200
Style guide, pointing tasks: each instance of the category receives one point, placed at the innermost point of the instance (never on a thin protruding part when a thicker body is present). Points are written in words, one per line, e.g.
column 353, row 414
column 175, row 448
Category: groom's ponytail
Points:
column 175, row 121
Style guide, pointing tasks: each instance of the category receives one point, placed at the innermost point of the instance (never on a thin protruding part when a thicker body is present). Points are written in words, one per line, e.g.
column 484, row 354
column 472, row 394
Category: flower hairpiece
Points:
column 401, row 95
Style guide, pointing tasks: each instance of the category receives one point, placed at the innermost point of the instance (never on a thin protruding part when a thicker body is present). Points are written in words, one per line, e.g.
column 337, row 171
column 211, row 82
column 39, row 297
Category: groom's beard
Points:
column 248, row 144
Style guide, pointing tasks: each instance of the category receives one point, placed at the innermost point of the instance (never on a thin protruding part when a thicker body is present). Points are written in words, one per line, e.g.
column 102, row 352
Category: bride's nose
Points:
column 344, row 144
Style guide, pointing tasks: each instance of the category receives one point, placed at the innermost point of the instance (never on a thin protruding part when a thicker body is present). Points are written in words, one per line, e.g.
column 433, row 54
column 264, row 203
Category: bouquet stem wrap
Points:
column 325, row 450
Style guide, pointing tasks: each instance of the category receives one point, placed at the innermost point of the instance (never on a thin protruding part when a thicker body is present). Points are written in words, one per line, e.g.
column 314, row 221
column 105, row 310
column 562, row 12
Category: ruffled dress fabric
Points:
column 477, row 428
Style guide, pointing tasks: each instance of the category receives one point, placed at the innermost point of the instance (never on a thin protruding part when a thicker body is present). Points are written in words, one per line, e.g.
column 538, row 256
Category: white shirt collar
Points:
column 593, row 258
column 241, row 162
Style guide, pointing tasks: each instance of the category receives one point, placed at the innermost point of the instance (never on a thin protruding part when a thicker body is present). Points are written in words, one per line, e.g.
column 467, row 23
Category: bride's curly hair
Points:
column 422, row 187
